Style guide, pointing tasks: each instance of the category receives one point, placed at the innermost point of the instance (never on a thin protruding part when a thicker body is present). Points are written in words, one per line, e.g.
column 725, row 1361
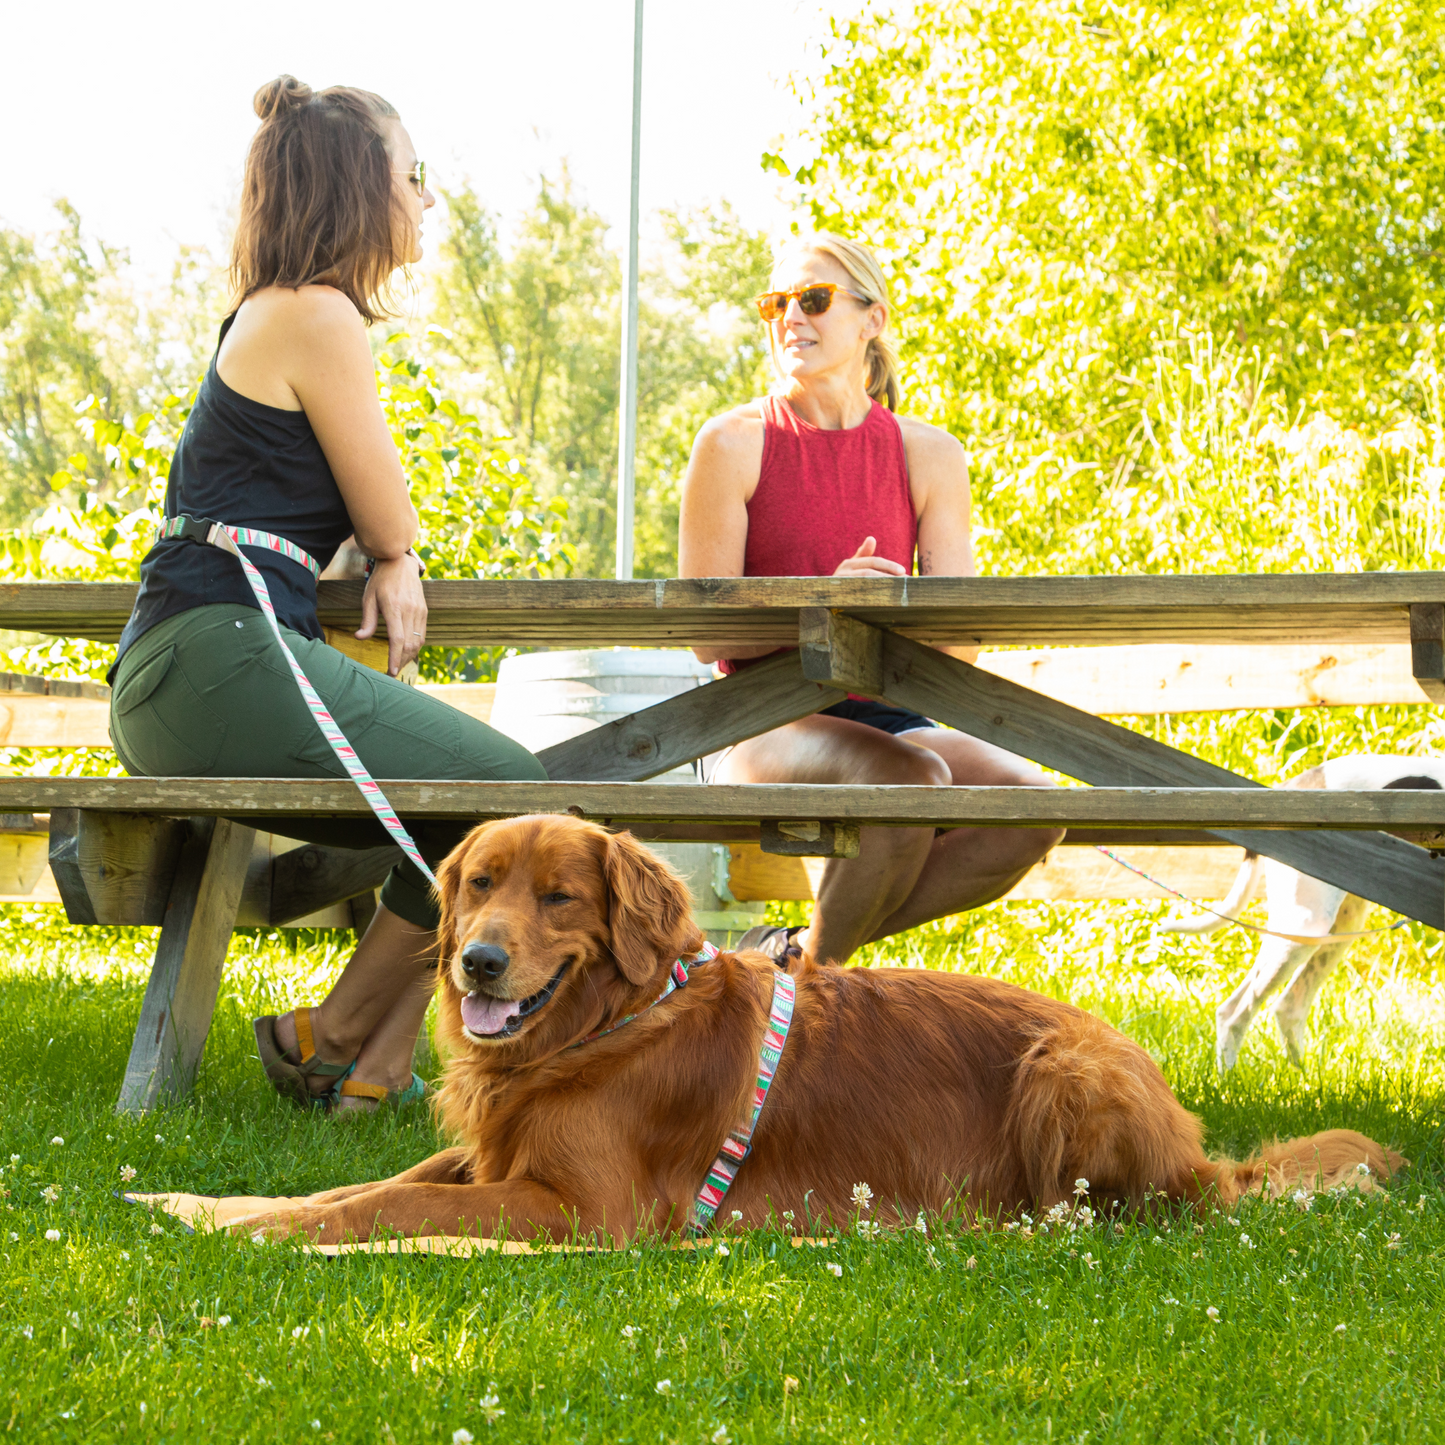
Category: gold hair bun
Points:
column 281, row 96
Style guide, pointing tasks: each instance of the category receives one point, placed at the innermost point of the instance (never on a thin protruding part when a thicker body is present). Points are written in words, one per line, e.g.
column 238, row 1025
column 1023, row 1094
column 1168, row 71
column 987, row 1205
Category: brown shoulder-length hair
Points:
column 318, row 201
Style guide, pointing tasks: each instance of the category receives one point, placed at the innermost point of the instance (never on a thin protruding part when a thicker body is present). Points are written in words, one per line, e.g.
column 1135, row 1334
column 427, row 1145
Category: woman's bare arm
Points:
column 938, row 479
column 712, row 533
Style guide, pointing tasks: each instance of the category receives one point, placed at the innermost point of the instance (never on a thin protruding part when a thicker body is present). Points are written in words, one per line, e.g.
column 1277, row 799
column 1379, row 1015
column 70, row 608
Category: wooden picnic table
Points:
column 176, row 851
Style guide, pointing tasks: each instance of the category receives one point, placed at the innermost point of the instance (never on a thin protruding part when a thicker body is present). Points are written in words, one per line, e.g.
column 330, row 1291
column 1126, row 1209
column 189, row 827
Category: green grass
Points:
column 1100, row 1335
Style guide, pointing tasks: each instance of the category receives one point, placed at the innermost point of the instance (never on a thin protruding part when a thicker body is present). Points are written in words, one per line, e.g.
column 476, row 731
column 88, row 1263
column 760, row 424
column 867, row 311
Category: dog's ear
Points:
column 650, row 911
column 449, row 883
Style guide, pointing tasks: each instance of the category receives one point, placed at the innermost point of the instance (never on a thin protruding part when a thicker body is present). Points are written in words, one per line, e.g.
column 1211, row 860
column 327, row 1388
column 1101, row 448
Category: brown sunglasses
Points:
column 812, row 300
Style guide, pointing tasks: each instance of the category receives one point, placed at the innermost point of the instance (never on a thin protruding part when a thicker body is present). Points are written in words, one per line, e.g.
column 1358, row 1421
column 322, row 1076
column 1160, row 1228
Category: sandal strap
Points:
column 306, row 1046
column 356, row 1089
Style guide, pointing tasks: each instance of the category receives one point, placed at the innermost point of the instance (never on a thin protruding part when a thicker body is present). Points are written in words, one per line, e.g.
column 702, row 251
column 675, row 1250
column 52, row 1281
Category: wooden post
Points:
column 1427, row 648
column 65, row 865
column 180, row 997
column 840, row 650
column 819, row 838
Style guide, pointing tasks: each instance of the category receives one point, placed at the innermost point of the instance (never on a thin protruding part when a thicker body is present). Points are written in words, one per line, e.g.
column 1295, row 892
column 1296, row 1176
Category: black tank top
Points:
column 251, row 465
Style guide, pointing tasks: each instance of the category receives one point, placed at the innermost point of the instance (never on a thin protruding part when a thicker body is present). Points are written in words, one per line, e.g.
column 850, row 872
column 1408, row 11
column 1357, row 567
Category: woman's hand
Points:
column 393, row 595
column 864, row 564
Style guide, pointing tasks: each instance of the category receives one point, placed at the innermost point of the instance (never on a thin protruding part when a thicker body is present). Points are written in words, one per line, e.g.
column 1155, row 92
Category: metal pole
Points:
column 627, row 408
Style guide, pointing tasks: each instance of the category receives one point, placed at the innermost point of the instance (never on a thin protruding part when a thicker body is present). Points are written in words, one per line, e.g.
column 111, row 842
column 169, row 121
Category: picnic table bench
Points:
column 177, row 852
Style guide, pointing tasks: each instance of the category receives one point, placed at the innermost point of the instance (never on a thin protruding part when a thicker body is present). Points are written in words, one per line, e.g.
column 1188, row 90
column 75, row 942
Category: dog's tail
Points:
column 1241, row 894
column 1314, row 1164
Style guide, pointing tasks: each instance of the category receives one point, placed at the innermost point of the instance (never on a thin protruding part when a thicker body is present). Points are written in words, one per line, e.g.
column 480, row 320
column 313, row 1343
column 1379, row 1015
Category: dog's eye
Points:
column 556, row 898
column 481, row 884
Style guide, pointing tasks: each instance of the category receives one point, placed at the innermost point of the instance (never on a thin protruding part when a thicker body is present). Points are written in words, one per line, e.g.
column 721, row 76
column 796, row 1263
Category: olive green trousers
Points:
column 207, row 693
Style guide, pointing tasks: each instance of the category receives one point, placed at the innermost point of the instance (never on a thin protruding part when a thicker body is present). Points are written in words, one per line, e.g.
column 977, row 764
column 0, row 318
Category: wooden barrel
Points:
column 544, row 698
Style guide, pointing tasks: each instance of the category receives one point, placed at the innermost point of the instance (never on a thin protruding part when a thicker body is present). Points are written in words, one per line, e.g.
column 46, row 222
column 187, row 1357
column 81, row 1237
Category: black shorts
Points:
column 878, row 715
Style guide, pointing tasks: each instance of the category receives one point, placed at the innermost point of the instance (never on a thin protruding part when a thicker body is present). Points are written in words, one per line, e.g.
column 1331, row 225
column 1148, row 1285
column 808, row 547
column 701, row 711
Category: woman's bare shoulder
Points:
column 732, row 437
column 306, row 314
column 930, row 444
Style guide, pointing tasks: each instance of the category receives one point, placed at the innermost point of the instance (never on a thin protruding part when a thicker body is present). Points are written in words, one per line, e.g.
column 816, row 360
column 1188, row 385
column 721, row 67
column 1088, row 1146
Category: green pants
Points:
column 208, row 693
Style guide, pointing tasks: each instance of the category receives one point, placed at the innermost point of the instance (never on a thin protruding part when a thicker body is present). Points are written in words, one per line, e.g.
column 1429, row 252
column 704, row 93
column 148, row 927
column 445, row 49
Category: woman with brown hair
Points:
column 287, row 440
column 821, row 478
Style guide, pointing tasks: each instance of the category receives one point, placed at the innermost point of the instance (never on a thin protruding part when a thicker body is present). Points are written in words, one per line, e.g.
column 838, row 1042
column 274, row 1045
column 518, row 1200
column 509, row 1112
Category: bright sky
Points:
column 140, row 113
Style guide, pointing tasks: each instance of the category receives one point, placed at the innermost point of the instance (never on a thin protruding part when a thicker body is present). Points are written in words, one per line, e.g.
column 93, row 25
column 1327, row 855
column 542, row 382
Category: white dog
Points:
column 1304, row 907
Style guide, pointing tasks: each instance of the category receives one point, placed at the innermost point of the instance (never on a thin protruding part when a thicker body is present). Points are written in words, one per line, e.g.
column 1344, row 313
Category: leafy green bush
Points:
column 479, row 514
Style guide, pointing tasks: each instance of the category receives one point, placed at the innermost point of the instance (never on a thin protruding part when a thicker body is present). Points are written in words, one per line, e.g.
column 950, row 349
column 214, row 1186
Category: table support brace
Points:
column 1376, row 866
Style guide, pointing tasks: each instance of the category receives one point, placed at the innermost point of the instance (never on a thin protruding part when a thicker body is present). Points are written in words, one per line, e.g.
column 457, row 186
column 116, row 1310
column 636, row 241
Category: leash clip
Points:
column 196, row 529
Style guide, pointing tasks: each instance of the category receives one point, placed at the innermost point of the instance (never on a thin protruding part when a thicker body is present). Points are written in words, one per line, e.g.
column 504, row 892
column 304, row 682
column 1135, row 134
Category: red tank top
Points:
column 820, row 493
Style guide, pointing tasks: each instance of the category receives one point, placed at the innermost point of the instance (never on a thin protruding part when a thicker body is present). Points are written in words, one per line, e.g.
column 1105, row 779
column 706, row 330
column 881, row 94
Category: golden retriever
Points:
column 939, row 1091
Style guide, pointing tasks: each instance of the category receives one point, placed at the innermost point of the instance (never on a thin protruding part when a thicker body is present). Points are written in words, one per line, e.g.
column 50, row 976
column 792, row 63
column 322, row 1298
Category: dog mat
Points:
column 202, row 1214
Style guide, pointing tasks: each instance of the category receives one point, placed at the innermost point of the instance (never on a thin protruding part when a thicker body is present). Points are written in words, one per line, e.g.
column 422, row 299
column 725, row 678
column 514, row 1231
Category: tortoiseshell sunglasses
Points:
column 812, row 300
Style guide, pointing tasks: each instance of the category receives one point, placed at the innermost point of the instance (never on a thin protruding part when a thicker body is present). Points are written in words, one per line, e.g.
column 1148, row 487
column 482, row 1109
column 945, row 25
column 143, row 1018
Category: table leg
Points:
column 180, row 996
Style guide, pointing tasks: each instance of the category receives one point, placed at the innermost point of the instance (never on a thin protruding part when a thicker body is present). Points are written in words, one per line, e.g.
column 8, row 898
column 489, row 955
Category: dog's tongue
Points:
column 483, row 1015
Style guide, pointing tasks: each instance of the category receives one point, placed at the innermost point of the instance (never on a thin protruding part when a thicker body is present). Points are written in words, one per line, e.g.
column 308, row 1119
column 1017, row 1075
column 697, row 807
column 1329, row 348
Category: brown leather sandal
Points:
column 289, row 1079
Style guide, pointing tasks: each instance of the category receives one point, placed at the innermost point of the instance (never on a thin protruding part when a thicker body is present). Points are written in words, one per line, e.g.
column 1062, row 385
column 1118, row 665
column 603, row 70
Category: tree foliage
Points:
column 527, row 328
column 1064, row 191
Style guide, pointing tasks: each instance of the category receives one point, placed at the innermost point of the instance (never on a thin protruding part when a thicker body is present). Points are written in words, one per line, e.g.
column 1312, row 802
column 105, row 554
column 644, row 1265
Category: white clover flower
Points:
column 921, row 1224
column 1393, row 1242
column 1301, row 1199
column 868, row 1229
column 720, row 1436
column 1340, row 1329
column 15, row 1159
column 224, row 1321
column 53, row 1235
column 723, row 1249
column 1012, row 1224
column 125, row 1254
column 737, row 1215
column 14, row 1238
column 1084, row 1216
column 50, row 1194
column 57, row 1140
column 1058, row 1213
column 629, row 1331
column 462, row 1436
column 159, row 1140
column 1361, row 1168
column 788, row 1215
column 316, row 1424
column 127, row 1173
column 1170, row 1300
column 1212, row 1313
column 836, row 1270
column 862, row 1196
column 663, row 1387
column 491, row 1404
column 300, row 1332
column 1081, row 1186
column 971, row 1262
column 1246, row 1241
column 1232, row 1220
column 156, row 1229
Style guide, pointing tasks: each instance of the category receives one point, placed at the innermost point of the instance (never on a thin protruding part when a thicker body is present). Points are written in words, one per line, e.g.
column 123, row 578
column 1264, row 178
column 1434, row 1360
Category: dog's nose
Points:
column 484, row 958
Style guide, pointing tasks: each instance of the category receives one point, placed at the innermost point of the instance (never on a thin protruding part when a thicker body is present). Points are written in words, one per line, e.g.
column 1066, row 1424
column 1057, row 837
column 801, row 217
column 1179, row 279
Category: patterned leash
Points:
column 232, row 539
column 1239, row 922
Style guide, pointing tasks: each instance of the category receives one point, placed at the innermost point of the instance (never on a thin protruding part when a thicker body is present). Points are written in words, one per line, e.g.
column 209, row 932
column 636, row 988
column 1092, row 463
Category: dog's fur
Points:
column 939, row 1091
column 1303, row 906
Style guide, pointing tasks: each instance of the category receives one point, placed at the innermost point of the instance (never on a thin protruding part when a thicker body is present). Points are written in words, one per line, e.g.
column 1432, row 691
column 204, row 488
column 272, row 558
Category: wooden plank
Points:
column 809, row 839
column 1383, row 869
column 23, row 862
column 832, row 645
column 1242, row 805
column 721, row 611
column 1079, row 874
column 1427, row 648
column 473, row 698
column 180, row 996
column 307, row 879
column 694, row 723
column 128, row 863
column 1165, row 678
column 1068, row 873
column 30, row 720
column 64, row 859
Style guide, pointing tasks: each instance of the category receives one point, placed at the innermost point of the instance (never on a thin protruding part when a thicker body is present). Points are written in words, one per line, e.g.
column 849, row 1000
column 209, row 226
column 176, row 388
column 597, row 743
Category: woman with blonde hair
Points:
column 288, row 450
column 822, row 478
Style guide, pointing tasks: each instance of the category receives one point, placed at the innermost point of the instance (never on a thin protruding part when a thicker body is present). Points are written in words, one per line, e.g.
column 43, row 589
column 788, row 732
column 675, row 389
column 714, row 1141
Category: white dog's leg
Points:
column 1294, row 1005
column 1299, row 905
